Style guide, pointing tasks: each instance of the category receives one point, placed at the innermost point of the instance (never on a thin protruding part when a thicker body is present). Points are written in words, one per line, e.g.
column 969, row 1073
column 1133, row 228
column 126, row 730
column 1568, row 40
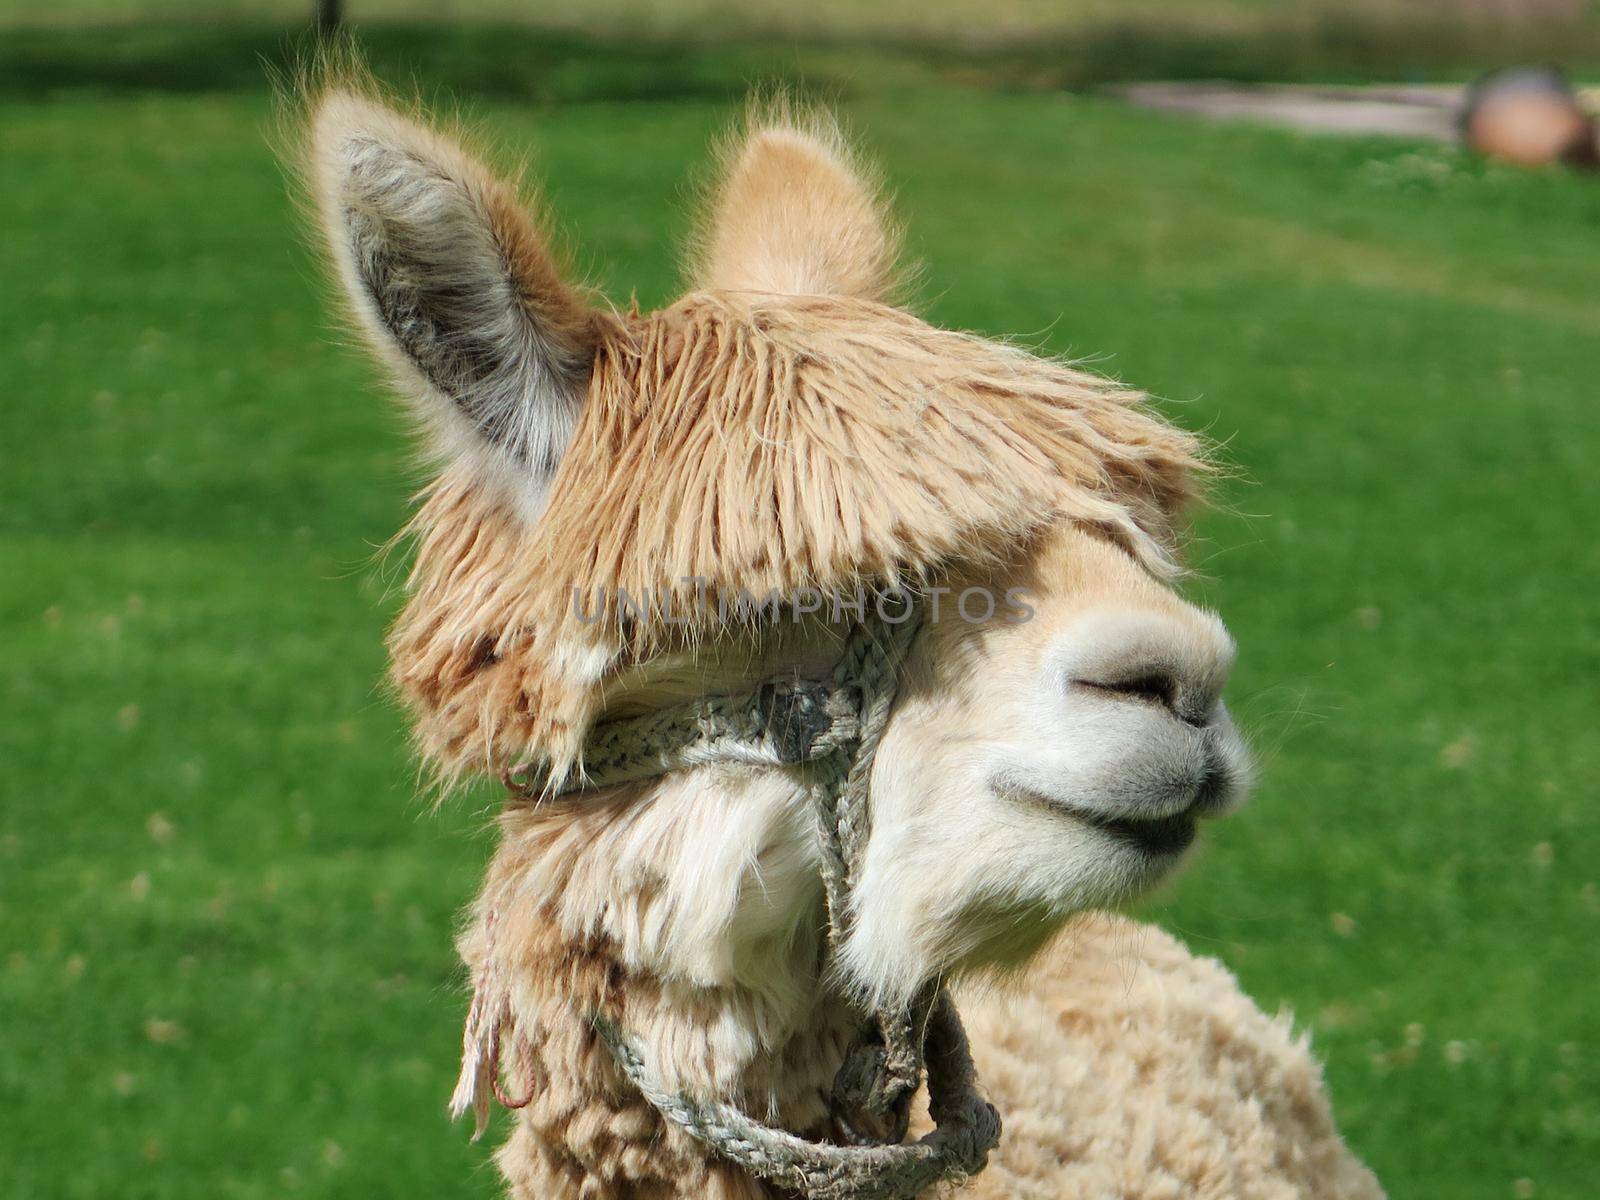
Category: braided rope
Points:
column 968, row 1128
column 781, row 723
column 875, row 1086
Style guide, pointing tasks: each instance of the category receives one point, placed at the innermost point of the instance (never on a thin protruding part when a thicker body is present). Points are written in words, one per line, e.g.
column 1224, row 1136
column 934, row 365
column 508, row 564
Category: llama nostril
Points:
column 1153, row 687
column 1150, row 659
column 1193, row 705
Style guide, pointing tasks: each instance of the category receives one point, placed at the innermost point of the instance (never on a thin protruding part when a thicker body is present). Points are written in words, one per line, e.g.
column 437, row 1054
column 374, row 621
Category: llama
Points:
column 722, row 967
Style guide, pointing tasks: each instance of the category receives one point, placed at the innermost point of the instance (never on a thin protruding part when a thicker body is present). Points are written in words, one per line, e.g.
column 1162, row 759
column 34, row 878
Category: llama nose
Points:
column 1181, row 668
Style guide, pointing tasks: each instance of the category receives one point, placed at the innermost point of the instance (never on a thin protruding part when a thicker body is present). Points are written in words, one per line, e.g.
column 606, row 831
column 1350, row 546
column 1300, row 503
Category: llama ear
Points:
column 794, row 213
column 452, row 284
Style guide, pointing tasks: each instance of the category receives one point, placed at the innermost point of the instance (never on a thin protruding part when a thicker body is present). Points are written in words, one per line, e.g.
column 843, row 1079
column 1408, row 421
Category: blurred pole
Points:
column 328, row 16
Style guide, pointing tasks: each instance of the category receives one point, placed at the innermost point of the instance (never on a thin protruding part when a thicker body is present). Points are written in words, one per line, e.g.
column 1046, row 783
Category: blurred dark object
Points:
column 328, row 15
column 1529, row 116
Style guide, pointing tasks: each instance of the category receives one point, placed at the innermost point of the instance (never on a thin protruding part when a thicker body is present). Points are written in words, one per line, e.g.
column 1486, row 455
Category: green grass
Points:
column 226, row 921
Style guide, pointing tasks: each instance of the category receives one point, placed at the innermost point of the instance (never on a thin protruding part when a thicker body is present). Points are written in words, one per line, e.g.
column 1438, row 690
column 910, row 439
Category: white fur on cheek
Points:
column 951, row 870
column 712, row 880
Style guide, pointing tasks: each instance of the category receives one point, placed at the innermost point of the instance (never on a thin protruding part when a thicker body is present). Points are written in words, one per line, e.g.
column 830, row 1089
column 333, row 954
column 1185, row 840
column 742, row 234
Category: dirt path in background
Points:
column 1421, row 111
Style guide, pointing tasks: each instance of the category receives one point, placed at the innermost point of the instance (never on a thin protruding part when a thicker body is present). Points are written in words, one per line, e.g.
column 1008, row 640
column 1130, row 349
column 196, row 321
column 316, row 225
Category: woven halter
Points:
column 827, row 732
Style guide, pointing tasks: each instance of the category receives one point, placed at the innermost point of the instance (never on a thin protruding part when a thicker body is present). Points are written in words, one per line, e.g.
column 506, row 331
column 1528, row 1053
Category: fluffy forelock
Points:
column 763, row 443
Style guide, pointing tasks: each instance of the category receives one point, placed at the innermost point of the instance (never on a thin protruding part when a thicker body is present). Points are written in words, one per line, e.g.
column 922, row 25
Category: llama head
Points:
column 606, row 481
column 1035, row 768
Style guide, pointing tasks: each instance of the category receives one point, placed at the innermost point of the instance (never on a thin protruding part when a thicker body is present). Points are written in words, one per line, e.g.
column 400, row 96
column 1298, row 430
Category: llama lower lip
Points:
column 1161, row 836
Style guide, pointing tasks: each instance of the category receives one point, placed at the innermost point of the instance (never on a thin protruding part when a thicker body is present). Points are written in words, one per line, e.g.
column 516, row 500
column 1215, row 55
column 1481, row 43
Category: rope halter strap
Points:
column 833, row 727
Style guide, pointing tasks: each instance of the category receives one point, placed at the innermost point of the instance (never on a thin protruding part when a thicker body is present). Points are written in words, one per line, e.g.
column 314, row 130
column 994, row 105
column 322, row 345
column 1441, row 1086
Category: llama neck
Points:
column 690, row 916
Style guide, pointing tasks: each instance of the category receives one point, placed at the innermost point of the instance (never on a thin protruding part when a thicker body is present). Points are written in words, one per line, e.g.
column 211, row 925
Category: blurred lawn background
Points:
column 225, row 919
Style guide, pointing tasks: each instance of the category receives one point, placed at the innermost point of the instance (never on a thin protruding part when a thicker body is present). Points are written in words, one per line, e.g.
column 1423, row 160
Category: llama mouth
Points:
column 1156, row 837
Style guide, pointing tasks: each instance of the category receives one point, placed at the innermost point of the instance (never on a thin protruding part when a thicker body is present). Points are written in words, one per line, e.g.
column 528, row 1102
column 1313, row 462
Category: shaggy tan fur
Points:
column 1130, row 1069
column 760, row 444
